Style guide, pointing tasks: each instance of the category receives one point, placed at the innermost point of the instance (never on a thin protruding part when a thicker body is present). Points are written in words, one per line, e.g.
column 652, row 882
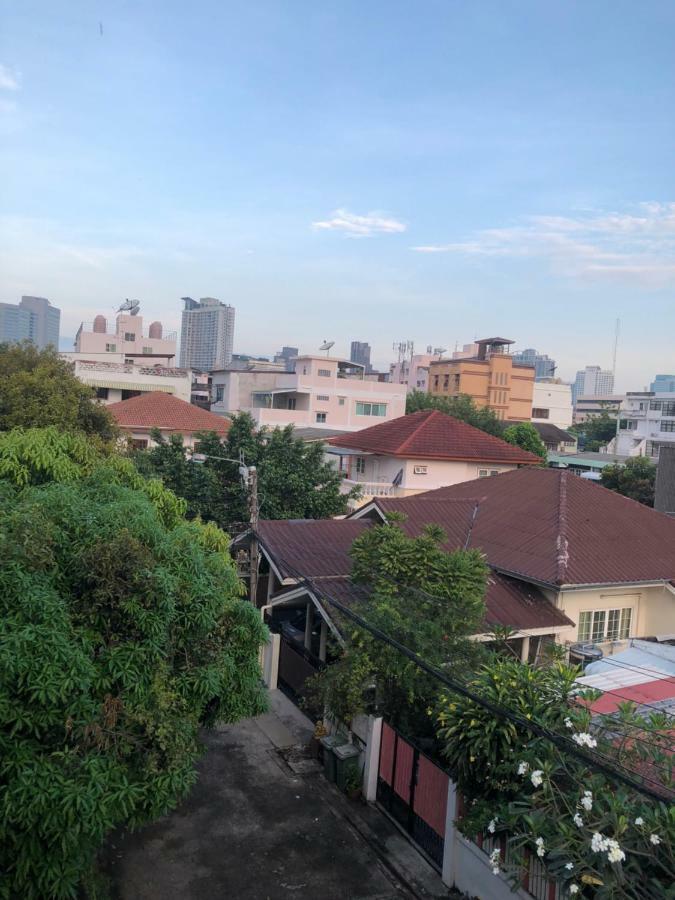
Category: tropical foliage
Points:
column 596, row 431
column 636, row 479
column 461, row 407
column 525, row 436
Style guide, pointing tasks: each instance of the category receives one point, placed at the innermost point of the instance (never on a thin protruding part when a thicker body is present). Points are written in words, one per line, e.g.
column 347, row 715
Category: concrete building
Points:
column 207, row 334
column 286, row 356
column 587, row 407
column 321, row 391
column 663, row 383
column 120, row 380
column 491, row 378
column 360, row 353
column 592, row 382
column 646, row 423
column 33, row 319
column 125, row 340
column 413, row 372
column 544, row 366
column 552, row 403
column 468, row 351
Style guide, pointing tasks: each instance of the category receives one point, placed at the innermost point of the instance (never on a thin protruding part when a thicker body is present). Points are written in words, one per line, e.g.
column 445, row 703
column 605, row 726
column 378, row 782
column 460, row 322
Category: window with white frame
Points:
column 360, row 463
column 111, row 348
column 486, row 473
column 324, row 373
column 370, row 409
column 605, row 624
column 320, row 417
column 323, row 397
column 667, row 424
column 220, row 393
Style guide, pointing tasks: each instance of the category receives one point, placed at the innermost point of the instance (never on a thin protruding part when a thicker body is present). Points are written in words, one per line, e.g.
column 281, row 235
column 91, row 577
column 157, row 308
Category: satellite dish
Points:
column 439, row 350
column 326, row 345
column 130, row 306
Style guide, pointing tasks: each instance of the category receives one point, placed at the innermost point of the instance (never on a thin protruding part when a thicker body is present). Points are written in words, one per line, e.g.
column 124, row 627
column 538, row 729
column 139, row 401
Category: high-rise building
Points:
column 591, row 382
column 544, row 366
column 360, row 353
column 663, row 384
column 207, row 334
column 285, row 356
column 34, row 319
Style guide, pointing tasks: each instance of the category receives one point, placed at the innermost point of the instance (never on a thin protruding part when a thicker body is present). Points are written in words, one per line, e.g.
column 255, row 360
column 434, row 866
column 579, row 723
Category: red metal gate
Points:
column 414, row 791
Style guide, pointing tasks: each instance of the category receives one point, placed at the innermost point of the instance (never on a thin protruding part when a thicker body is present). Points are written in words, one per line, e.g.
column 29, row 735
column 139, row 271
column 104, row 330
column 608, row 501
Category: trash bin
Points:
column 346, row 758
column 328, row 745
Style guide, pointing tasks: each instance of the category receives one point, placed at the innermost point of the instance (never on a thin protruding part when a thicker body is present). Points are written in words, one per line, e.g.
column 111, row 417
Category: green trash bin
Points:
column 328, row 745
column 346, row 758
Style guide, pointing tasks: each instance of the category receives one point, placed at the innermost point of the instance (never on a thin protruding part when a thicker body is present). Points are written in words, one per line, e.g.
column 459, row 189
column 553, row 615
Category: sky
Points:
column 433, row 171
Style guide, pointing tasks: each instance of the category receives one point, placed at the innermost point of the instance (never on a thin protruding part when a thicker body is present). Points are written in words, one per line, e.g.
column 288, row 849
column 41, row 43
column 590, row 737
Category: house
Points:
column 570, row 561
column 116, row 379
column 555, row 439
column 138, row 416
column 646, row 424
column 419, row 452
column 552, row 403
column 96, row 341
column 321, row 391
column 490, row 377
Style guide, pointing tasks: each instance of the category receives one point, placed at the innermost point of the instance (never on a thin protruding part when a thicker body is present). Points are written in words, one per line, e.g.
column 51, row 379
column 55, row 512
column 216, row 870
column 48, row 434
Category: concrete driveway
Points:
column 255, row 828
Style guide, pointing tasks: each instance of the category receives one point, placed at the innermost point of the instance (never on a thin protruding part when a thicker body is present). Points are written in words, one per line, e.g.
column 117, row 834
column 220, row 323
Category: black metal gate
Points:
column 296, row 665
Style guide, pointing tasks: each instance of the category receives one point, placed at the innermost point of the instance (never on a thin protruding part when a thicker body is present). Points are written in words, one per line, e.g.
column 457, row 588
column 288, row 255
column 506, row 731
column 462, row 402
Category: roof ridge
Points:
column 414, row 432
column 562, row 543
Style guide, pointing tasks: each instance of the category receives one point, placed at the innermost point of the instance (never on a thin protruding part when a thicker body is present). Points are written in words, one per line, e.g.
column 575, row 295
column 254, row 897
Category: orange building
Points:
column 491, row 378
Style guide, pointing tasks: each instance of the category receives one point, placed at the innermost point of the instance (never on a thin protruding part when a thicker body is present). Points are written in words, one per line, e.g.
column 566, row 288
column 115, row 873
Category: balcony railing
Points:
column 88, row 328
column 371, row 488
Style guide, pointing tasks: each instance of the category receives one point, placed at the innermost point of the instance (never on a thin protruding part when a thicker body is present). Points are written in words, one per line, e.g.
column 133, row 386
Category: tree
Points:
column 294, row 480
column 38, row 389
column 596, row 431
column 526, row 436
column 122, row 633
column 636, row 479
column 461, row 407
column 426, row 598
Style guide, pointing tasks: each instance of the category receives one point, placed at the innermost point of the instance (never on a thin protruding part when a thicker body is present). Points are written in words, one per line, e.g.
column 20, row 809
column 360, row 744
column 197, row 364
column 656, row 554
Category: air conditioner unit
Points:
column 420, row 470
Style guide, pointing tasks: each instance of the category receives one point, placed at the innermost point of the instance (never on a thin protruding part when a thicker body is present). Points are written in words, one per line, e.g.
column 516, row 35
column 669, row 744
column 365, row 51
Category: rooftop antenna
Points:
column 130, row 306
column 616, row 345
column 326, row 346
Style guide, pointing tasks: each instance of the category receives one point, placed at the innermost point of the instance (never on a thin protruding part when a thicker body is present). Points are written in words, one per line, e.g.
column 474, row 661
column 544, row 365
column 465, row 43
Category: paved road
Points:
column 251, row 828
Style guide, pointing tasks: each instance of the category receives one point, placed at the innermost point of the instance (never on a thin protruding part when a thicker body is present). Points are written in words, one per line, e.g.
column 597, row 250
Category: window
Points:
column 111, row 348
column 655, row 404
column 446, row 382
column 538, row 412
column 341, row 401
column 321, row 418
column 147, row 350
column 128, row 362
column 487, row 473
column 139, row 443
column 436, row 377
column 668, row 408
column 323, row 397
column 371, row 409
column 129, row 336
column 292, row 402
column 102, row 393
column 456, row 382
column 360, row 465
column 667, row 425
column 325, row 373
column 128, row 394
column 220, row 393
column 627, row 424
column 605, row 624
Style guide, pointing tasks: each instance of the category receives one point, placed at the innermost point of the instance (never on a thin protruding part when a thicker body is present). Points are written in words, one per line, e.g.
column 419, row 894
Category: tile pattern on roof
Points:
column 160, row 410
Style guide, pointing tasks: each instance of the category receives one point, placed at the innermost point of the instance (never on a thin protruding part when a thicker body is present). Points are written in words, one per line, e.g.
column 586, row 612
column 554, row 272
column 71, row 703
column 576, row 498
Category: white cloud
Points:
column 638, row 246
column 360, row 226
column 9, row 80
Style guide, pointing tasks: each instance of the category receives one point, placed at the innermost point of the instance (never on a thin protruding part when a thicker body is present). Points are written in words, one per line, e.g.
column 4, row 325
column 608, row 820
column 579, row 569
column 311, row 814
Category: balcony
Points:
column 371, row 488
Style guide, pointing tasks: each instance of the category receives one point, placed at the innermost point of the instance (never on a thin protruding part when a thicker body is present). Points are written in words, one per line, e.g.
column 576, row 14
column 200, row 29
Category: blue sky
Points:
column 430, row 171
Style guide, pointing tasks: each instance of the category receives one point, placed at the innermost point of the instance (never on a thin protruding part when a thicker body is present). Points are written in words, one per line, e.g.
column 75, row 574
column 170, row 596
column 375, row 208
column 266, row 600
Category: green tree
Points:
column 38, row 389
column 294, row 480
column 122, row 633
column 596, row 431
column 526, row 436
column 636, row 479
column 461, row 407
column 426, row 598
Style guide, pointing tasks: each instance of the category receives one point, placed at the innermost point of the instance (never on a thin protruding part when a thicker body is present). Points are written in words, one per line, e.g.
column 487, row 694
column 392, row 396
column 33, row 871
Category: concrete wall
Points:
column 557, row 399
column 495, row 382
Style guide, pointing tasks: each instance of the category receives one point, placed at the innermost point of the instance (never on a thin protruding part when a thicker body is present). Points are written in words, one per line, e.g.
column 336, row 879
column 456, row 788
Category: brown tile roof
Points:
column 550, row 526
column 430, row 434
column 157, row 409
column 550, row 433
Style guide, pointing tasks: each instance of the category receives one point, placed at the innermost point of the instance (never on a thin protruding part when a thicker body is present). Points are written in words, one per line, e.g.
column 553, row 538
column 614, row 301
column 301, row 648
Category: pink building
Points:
column 413, row 372
column 321, row 391
column 125, row 338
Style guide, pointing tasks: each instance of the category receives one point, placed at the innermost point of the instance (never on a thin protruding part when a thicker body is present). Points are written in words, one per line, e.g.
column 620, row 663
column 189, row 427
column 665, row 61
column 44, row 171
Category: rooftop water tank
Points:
column 155, row 330
column 100, row 325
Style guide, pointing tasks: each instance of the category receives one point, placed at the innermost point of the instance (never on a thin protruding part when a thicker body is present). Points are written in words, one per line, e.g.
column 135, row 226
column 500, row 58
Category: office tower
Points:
column 663, row 383
column 360, row 353
column 34, row 319
column 544, row 366
column 285, row 356
column 591, row 382
column 207, row 334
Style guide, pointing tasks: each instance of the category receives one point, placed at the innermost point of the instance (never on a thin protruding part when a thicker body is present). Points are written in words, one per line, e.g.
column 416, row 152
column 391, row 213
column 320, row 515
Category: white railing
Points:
column 371, row 488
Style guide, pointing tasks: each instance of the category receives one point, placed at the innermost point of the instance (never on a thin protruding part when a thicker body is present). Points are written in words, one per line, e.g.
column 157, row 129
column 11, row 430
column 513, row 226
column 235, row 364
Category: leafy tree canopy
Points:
column 294, row 480
column 525, row 436
column 426, row 598
column 38, row 388
column 596, row 431
column 122, row 632
column 636, row 479
column 461, row 407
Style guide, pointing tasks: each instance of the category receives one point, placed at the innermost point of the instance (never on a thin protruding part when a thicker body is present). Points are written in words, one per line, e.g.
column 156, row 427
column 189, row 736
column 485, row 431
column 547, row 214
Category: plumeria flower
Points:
column 614, row 852
column 522, row 768
column 655, row 839
column 583, row 739
column 494, row 860
column 492, row 825
column 598, row 842
column 639, row 821
column 569, row 865
column 574, row 889
column 541, row 851
column 569, row 723
column 536, row 777
column 578, row 821
column 587, row 801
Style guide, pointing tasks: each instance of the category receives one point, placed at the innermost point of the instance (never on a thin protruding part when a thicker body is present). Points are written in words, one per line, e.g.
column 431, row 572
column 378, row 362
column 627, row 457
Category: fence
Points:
column 296, row 665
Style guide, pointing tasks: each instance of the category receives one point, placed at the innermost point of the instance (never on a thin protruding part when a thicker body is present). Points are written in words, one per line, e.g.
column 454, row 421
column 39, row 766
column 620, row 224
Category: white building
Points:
column 552, row 403
column 120, row 380
column 592, row 381
column 646, row 423
column 207, row 334
column 321, row 392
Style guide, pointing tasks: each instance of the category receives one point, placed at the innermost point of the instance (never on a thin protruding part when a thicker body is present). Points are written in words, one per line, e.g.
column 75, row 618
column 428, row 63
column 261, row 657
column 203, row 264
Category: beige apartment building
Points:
column 491, row 378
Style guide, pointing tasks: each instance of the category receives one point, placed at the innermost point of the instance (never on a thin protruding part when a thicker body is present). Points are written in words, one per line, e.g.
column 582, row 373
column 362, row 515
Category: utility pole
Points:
column 254, row 553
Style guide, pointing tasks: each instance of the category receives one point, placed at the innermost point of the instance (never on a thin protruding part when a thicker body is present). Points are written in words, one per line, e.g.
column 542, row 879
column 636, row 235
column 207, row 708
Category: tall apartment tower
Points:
column 591, row 382
column 360, row 353
column 207, row 334
column 544, row 366
column 34, row 319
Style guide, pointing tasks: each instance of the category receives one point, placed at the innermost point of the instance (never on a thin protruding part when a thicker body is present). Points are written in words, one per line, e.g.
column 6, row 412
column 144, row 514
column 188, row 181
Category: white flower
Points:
column 494, row 860
column 598, row 842
column 540, row 846
column 583, row 739
column 536, row 778
column 587, row 801
column 639, row 821
column 614, row 852
column 522, row 768
column 578, row 821
column 574, row 889
column 569, row 723
column 655, row 839
column 492, row 825
column 495, row 870
column 569, row 866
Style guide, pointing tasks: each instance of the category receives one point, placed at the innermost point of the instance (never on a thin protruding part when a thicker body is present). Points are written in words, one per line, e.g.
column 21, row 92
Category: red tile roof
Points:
column 430, row 434
column 549, row 526
column 157, row 409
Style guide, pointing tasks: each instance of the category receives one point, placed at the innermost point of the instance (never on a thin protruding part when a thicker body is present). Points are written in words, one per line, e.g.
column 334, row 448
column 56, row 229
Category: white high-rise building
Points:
column 591, row 382
column 646, row 424
column 207, row 334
